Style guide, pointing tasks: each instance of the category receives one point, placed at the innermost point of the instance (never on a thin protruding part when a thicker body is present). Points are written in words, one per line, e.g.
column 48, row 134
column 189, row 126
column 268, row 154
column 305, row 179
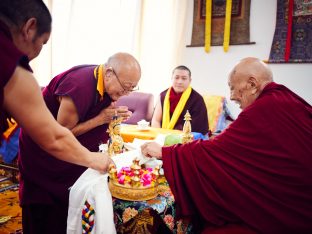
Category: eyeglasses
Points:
column 125, row 89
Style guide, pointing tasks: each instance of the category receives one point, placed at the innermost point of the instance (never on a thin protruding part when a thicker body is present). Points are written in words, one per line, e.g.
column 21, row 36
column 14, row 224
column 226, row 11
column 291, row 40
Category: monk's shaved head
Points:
column 252, row 67
column 124, row 62
column 247, row 80
column 122, row 74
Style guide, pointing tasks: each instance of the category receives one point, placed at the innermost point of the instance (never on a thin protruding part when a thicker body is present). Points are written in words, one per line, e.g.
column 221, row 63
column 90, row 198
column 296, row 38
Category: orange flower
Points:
column 128, row 214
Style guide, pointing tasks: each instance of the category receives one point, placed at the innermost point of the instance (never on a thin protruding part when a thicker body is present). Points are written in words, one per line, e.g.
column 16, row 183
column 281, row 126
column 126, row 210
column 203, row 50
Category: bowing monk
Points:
column 176, row 100
column 256, row 175
column 81, row 99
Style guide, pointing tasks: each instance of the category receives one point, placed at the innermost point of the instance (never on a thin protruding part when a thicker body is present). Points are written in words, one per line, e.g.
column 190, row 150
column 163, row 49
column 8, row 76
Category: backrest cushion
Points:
column 218, row 113
column 141, row 104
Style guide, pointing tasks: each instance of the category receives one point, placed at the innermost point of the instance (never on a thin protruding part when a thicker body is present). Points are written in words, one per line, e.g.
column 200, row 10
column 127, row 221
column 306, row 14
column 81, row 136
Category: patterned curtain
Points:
column 292, row 40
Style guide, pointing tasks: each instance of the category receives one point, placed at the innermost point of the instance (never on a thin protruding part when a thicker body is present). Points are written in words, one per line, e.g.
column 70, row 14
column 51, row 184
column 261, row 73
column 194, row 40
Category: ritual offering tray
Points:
column 134, row 183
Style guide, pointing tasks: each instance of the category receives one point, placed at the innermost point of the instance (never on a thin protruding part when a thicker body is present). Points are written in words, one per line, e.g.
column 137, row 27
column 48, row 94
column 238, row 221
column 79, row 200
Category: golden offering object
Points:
column 112, row 171
column 156, row 171
column 134, row 190
column 187, row 129
column 132, row 193
column 135, row 165
column 115, row 142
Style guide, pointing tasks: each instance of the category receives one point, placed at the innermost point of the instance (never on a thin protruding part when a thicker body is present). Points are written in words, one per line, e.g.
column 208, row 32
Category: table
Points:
column 128, row 132
column 157, row 215
column 153, row 216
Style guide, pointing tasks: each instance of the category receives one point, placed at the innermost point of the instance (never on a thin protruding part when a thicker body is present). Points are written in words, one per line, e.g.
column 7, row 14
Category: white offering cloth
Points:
column 92, row 187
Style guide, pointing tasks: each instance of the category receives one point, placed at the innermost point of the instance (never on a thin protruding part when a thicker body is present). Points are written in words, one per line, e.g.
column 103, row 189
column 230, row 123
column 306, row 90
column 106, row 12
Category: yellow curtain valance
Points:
column 227, row 25
column 208, row 25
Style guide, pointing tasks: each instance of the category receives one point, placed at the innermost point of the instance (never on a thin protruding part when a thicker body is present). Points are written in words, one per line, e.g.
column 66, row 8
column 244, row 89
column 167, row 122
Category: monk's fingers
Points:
column 144, row 149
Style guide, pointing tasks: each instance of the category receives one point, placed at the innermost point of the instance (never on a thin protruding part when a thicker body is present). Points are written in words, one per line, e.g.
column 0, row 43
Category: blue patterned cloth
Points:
column 9, row 149
column 164, row 204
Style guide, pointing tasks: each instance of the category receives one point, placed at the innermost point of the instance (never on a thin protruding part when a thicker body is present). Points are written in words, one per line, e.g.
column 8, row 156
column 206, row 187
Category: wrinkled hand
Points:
column 122, row 111
column 101, row 162
column 152, row 149
column 106, row 115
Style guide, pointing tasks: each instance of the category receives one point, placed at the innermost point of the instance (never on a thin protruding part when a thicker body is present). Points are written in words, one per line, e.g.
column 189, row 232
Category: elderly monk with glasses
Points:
column 82, row 100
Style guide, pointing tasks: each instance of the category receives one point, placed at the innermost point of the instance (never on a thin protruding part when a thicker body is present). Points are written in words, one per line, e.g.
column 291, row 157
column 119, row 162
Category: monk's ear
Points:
column 109, row 72
column 29, row 29
column 253, row 84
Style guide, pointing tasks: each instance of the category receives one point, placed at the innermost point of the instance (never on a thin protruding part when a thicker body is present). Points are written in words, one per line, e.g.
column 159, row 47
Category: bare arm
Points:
column 157, row 116
column 68, row 117
column 23, row 100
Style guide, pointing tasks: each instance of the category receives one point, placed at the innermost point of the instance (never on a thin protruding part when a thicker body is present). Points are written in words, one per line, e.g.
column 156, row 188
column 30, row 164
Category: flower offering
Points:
column 133, row 182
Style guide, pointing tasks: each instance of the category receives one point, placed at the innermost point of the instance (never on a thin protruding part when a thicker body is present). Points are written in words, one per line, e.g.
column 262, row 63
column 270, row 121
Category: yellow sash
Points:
column 12, row 126
column 168, row 123
column 98, row 73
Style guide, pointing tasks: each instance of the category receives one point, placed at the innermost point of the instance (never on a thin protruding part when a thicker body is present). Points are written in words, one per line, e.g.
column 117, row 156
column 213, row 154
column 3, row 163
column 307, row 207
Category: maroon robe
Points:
column 10, row 57
column 258, row 172
column 198, row 111
column 44, row 178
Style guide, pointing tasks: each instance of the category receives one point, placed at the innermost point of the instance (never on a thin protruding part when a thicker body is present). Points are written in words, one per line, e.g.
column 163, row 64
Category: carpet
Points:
column 10, row 211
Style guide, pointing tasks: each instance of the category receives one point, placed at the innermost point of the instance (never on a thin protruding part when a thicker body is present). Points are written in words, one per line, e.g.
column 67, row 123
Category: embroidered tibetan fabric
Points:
column 87, row 218
column 292, row 40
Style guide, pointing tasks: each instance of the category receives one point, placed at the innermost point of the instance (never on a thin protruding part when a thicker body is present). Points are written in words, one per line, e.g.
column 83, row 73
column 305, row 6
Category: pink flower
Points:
column 146, row 177
column 121, row 179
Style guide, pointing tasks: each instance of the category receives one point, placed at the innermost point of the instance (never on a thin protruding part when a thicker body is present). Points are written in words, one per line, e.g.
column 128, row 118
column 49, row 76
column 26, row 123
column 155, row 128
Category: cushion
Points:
column 218, row 113
column 141, row 104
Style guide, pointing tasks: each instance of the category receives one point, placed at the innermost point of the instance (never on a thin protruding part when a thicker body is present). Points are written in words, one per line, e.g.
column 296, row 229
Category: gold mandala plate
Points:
column 132, row 193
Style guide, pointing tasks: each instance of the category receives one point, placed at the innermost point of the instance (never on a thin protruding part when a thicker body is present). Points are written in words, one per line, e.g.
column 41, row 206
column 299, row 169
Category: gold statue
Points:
column 187, row 128
column 115, row 143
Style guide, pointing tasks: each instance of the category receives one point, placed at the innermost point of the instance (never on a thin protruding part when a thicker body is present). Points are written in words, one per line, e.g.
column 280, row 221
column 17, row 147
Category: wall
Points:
column 210, row 70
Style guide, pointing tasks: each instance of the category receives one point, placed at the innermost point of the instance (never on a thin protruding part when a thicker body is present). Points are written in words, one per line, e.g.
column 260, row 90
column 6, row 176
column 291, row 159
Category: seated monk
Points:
column 175, row 101
column 255, row 175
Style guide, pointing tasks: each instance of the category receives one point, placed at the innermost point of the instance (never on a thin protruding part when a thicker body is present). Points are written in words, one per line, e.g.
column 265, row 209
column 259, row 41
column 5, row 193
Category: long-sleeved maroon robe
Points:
column 258, row 172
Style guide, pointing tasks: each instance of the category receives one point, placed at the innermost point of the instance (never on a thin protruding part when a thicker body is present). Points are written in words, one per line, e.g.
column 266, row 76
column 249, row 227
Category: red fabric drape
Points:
column 257, row 172
column 289, row 29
